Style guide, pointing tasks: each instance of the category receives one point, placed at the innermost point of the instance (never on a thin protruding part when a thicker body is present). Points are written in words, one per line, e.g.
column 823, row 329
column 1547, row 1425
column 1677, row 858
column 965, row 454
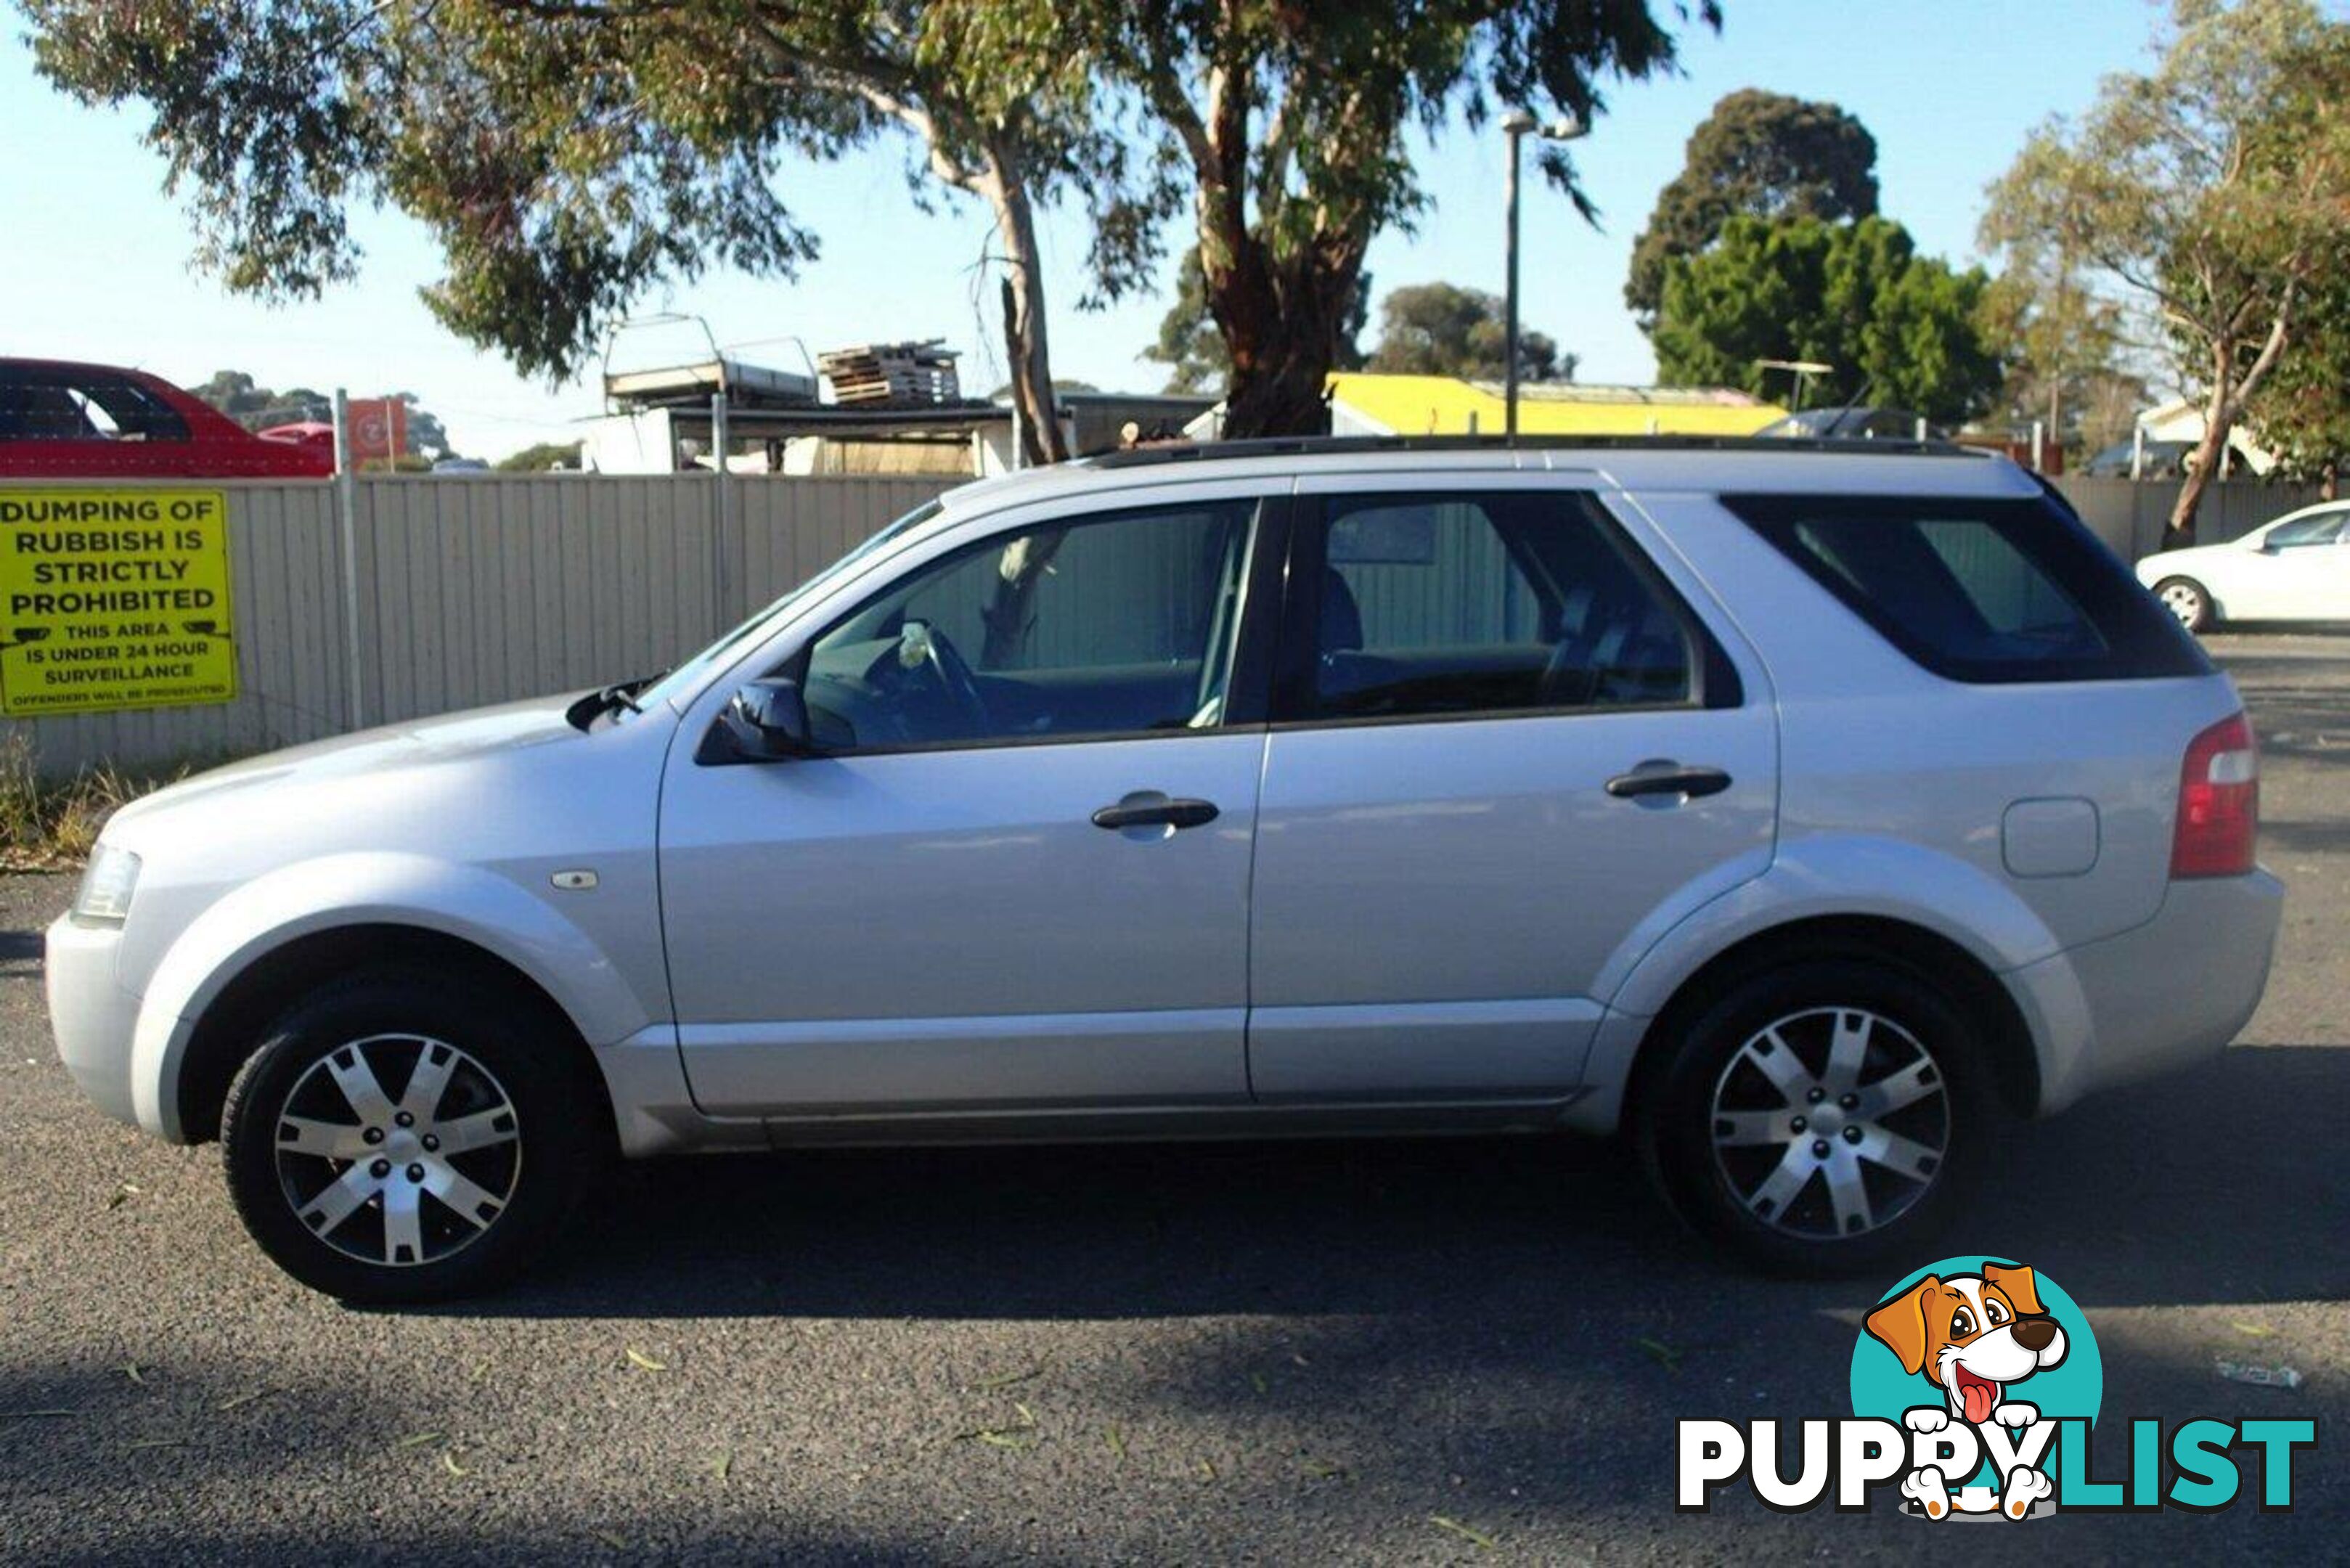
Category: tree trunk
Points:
column 1028, row 353
column 2203, row 465
column 1284, row 333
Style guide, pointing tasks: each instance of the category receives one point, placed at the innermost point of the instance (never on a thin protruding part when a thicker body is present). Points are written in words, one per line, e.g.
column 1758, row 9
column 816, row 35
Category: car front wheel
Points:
column 2185, row 598
column 1821, row 1118
column 398, row 1138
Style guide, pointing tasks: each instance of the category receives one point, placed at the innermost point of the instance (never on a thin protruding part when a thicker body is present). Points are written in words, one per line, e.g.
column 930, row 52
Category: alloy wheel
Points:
column 2185, row 601
column 1830, row 1123
column 398, row 1176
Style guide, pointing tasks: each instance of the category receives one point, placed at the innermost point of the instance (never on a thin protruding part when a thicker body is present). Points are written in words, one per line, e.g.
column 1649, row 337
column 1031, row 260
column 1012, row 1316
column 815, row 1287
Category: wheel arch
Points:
column 1925, row 955
column 298, row 921
column 223, row 1035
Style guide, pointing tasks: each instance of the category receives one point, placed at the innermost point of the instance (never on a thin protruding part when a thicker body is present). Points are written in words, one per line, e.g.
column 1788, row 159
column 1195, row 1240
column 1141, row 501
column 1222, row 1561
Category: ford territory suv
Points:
column 1795, row 810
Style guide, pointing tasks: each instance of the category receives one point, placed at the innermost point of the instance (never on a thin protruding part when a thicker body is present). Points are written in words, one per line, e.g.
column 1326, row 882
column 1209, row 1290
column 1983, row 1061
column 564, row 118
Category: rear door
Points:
column 1504, row 743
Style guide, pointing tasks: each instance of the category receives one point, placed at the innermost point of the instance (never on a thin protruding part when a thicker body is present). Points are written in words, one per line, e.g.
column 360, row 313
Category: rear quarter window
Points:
column 1979, row 591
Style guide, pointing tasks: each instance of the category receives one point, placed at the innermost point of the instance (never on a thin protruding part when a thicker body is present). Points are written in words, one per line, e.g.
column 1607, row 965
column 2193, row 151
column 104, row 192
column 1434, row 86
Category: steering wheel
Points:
column 954, row 675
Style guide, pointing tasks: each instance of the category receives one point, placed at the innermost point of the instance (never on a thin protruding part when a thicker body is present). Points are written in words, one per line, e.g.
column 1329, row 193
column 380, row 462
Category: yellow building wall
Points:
column 1439, row 405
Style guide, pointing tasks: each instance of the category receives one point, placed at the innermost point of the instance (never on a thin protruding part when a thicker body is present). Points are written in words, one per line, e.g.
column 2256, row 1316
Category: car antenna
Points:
column 1844, row 412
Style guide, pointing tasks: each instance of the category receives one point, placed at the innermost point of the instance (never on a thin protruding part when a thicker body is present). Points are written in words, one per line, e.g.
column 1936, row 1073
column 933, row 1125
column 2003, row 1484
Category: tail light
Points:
column 2219, row 803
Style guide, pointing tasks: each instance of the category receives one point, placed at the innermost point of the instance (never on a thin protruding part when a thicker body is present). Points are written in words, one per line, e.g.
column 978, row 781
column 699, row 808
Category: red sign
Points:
column 378, row 431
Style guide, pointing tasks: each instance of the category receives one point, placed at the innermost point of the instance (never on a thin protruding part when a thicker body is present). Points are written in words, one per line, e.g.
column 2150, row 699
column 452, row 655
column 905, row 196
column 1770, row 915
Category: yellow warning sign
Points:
column 113, row 598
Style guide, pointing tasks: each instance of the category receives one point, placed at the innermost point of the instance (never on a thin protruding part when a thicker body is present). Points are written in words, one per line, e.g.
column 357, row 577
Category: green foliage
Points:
column 1294, row 124
column 1901, row 330
column 257, row 408
column 2071, row 362
column 2213, row 191
column 570, row 158
column 1440, row 329
column 1188, row 344
column 541, row 457
column 2303, row 411
column 1759, row 154
column 2303, row 408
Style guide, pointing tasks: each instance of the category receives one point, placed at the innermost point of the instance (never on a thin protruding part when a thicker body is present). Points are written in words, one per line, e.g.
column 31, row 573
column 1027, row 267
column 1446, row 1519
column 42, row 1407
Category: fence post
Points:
column 720, row 436
column 347, row 506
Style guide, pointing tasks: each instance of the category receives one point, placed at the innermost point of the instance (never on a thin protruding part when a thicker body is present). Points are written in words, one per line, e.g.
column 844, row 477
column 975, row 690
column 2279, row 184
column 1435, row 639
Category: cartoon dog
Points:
column 1974, row 1337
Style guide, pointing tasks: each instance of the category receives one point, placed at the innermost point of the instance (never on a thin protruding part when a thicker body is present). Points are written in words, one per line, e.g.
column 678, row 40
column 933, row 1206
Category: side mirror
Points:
column 768, row 720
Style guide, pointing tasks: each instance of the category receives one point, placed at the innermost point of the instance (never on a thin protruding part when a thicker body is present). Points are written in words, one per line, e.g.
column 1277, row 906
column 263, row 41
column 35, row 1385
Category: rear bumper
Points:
column 93, row 1016
column 2167, row 994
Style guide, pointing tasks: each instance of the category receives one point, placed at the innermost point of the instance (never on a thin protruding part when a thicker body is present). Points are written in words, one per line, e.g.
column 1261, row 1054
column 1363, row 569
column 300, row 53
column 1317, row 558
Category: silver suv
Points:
column 1793, row 810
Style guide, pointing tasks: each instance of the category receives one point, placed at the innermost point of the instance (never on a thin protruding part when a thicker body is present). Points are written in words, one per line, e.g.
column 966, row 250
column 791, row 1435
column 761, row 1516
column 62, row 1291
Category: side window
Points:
column 1484, row 604
column 33, row 409
column 1110, row 626
column 42, row 408
column 2011, row 596
column 125, row 410
column 2308, row 531
column 1978, row 589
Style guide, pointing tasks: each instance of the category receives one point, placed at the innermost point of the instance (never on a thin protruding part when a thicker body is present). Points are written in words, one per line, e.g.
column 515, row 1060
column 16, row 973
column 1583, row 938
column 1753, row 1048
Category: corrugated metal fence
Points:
column 486, row 588
column 478, row 590
column 2130, row 518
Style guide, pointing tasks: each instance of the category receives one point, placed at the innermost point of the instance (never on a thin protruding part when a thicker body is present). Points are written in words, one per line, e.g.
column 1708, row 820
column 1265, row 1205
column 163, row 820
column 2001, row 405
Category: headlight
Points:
column 106, row 887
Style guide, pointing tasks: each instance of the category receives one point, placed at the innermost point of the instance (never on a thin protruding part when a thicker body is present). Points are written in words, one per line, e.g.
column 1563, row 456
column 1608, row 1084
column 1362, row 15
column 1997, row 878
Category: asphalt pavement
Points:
column 1453, row 1351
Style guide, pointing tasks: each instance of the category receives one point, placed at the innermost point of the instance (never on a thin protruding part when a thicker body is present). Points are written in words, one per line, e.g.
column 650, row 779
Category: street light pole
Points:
column 1517, row 125
column 1514, row 125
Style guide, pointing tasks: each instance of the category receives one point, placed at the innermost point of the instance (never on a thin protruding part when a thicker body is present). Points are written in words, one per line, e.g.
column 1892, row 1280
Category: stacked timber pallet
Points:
column 898, row 375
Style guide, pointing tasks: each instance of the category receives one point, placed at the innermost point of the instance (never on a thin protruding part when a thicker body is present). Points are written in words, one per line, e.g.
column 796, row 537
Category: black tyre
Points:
column 2189, row 600
column 400, row 1135
column 1823, row 1117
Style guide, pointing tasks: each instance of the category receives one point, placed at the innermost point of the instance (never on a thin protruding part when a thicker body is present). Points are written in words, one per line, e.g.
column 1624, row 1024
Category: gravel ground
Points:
column 1456, row 1351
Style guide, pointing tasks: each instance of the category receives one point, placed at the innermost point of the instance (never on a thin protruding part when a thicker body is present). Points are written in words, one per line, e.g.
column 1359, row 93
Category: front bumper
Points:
column 2164, row 995
column 93, row 1016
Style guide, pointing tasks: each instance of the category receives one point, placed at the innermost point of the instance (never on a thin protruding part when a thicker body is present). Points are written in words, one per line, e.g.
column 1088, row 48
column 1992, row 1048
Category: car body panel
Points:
column 950, row 929
column 207, row 443
column 465, row 820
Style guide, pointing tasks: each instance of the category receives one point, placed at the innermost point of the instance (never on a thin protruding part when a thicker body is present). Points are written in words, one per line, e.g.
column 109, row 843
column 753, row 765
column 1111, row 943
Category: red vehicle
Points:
column 59, row 419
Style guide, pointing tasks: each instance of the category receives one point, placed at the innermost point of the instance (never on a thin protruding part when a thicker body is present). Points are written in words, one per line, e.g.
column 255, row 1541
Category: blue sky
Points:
column 100, row 268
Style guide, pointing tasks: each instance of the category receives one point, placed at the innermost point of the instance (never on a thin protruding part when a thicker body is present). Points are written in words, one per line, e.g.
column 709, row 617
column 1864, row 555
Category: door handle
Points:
column 1664, row 776
column 1148, row 808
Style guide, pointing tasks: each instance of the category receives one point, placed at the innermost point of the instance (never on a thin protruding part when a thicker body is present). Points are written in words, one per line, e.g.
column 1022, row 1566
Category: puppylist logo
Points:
column 1975, row 1387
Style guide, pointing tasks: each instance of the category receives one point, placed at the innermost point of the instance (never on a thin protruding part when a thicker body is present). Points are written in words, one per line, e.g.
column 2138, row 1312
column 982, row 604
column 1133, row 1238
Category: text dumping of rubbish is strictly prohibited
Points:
column 113, row 598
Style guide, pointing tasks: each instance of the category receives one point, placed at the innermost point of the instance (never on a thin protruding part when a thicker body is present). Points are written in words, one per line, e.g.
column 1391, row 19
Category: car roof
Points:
column 78, row 369
column 1703, row 465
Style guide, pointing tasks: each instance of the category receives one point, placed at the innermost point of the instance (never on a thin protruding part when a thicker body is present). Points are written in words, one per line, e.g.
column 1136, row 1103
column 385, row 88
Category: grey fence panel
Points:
column 2130, row 517
column 476, row 590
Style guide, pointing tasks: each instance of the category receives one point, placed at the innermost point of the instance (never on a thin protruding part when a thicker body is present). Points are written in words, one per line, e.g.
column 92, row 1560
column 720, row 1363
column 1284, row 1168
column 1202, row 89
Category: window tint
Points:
column 99, row 408
column 1979, row 590
column 1113, row 626
column 1484, row 604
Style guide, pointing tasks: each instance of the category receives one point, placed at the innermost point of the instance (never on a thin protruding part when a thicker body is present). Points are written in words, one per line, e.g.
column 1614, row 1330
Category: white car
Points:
column 1796, row 810
column 2295, row 569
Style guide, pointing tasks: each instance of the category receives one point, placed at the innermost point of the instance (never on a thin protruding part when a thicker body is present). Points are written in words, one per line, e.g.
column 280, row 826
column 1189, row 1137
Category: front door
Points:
column 1503, row 744
column 1016, row 878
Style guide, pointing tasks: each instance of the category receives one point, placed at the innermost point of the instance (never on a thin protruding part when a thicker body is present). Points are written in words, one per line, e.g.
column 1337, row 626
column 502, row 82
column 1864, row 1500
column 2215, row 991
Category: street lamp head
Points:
column 1517, row 122
column 1565, row 127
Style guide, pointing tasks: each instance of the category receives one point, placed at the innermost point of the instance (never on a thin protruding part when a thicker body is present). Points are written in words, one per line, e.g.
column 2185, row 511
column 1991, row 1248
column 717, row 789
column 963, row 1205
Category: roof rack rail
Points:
column 1301, row 446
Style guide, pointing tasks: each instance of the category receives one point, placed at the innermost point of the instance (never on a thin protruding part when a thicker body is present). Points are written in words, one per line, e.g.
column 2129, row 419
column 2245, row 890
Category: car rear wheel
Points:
column 2185, row 597
column 1822, row 1118
column 392, row 1142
